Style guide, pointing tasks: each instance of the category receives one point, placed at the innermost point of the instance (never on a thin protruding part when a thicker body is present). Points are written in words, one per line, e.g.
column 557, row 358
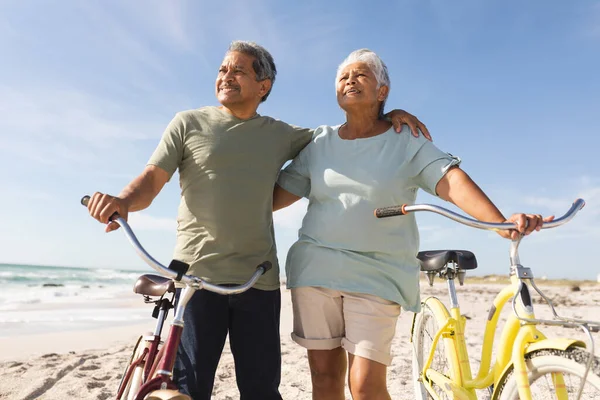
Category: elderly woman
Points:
column 349, row 273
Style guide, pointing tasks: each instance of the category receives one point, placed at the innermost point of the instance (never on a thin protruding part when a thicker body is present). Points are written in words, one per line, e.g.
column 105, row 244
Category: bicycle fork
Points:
column 527, row 335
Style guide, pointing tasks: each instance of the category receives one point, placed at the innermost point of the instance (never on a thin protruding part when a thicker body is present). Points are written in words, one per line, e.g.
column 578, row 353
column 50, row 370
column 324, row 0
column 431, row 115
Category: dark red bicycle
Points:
column 149, row 372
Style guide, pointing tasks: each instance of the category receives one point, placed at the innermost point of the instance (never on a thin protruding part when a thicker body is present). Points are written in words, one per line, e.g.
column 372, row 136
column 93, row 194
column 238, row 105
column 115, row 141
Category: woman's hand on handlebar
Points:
column 102, row 207
column 526, row 223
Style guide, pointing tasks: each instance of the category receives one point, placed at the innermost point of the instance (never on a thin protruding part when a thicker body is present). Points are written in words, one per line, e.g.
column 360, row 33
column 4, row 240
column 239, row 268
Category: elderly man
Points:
column 228, row 159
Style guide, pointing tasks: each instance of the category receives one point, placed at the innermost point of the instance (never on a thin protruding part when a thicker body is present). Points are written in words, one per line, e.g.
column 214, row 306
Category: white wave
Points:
column 31, row 322
column 12, row 298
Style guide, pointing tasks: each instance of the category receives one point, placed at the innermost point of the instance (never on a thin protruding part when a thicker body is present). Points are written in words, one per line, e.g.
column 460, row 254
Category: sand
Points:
column 88, row 364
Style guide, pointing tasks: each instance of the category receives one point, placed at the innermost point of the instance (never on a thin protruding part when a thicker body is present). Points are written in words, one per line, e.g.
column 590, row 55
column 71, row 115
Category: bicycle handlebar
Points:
column 169, row 273
column 404, row 209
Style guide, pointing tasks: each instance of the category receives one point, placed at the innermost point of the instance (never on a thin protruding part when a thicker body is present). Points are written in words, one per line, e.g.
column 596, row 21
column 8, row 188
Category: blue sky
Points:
column 86, row 89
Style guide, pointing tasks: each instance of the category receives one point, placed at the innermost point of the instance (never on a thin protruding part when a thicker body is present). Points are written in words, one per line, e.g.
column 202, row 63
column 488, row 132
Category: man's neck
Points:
column 240, row 112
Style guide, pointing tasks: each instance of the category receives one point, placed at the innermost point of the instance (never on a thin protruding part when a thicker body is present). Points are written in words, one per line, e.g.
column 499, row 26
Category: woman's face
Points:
column 357, row 86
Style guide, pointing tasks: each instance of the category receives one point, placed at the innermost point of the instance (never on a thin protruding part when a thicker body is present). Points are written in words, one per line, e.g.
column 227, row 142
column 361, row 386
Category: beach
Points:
column 87, row 363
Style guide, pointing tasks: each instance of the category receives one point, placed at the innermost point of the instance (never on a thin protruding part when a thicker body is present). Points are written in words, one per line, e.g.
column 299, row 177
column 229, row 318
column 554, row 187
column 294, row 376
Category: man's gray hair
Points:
column 263, row 64
column 376, row 65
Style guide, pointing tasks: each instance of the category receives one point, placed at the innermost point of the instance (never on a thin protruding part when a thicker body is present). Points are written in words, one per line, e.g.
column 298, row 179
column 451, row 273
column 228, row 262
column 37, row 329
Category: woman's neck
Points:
column 362, row 126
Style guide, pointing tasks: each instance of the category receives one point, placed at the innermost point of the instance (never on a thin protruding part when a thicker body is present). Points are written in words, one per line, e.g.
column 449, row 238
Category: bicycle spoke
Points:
column 544, row 388
column 439, row 362
column 548, row 369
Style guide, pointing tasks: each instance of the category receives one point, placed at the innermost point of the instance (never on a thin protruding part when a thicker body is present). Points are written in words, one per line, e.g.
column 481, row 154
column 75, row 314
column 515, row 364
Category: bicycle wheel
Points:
column 166, row 394
column 132, row 383
column 571, row 363
column 425, row 329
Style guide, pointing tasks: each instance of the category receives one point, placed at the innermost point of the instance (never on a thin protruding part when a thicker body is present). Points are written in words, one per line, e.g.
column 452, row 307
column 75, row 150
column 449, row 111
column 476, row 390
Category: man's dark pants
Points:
column 252, row 321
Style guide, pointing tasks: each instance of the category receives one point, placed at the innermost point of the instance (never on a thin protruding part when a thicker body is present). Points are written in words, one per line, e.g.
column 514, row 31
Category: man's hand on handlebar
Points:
column 103, row 206
column 526, row 223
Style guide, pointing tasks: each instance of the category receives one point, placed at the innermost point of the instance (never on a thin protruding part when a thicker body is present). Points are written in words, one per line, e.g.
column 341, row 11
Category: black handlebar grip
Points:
column 180, row 267
column 266, row 266
column 391, row 211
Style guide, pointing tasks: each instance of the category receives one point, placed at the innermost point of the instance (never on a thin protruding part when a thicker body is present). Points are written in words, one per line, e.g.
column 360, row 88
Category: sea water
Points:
column 38, row 299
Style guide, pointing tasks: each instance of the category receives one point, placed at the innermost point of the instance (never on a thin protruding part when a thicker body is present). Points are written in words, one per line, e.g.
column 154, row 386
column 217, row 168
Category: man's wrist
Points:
column 125, row 199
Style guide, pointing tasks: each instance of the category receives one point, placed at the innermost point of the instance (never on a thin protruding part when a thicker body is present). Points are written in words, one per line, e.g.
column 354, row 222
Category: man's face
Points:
column 236, row 82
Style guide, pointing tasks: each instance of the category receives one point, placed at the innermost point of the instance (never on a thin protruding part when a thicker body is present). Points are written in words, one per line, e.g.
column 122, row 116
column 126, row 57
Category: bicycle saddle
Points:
column 435, row 260
column 153, row 285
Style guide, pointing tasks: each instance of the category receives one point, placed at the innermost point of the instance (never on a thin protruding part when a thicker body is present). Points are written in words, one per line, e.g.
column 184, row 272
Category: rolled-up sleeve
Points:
column 295, row 178
column 432, row 164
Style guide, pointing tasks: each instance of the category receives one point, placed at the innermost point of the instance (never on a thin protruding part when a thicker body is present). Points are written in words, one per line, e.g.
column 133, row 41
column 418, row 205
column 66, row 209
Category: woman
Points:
column 349, row 273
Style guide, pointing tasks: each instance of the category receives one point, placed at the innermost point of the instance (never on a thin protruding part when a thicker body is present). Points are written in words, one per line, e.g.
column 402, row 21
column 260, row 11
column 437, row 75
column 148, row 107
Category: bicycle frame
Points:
column 163, row 371
column 521, row 338
column 150, row 354
column 159, row 366
column 161, row 374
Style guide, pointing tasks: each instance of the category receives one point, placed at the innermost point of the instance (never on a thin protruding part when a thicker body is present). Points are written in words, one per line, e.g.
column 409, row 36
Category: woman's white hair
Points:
column 374, row 62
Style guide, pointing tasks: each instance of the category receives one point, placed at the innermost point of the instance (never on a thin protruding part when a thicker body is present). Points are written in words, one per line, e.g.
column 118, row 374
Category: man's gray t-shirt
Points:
column 228, row 168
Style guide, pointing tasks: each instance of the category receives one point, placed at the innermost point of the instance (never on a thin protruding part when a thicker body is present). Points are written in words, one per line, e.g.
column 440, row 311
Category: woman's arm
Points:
column 458, row 188
column 282, row 198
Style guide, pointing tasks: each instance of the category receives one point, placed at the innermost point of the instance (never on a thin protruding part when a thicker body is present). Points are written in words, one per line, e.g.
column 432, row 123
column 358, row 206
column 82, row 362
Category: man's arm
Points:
column 401, row 117
column 282, row 198
column 137, row 195
column 458, row 188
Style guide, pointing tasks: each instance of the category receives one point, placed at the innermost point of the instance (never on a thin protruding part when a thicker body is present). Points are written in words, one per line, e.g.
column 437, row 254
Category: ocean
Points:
column 39, row 299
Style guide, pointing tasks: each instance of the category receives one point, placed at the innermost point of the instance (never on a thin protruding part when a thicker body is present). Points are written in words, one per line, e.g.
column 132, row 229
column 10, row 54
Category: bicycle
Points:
column 148, row 374
column 526, row 359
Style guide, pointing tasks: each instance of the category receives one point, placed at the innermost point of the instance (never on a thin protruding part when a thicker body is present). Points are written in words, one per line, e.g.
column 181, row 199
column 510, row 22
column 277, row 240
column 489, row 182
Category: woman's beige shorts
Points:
column 325, row 319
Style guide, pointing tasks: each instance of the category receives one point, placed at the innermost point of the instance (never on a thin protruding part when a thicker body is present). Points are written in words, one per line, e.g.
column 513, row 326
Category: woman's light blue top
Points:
column 341, row 244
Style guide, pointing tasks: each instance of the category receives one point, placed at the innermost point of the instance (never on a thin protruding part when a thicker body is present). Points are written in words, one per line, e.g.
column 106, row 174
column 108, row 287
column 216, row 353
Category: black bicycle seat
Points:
column 435, row 260
column 153, row 285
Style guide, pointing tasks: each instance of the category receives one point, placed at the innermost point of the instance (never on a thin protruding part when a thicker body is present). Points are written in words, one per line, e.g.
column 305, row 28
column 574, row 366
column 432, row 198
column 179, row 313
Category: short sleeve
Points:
column 431, row 164
column 299, row 138
column 169, row 152
column 295, row 178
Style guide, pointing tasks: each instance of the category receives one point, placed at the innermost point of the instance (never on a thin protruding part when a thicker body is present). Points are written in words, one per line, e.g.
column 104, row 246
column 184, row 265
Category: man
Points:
column 228, row 159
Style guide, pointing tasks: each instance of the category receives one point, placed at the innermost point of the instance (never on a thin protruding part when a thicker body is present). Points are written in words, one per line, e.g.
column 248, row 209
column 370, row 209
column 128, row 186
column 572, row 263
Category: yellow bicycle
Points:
column 528, row 365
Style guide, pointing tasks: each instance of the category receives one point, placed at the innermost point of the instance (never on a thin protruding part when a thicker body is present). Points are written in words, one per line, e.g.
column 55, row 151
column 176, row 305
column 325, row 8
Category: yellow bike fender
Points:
column 554, row 344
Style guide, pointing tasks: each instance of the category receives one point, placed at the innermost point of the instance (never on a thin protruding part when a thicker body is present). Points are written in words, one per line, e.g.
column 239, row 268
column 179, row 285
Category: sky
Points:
column 87, row 88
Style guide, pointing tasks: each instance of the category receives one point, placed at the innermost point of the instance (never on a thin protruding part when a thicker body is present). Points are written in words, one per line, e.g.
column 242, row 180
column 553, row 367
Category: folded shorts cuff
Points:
column 365, row 352
column 317, row 344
